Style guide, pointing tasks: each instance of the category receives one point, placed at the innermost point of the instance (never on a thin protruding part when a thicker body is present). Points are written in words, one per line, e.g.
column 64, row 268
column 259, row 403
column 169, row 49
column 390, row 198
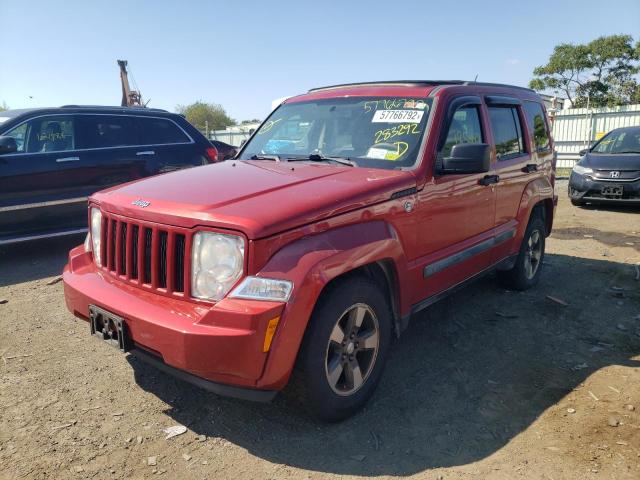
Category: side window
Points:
column 45, row 134
column 102, row 131
column 19, row 134
column 464, row 128
column 159, row 131
column 507, row 132
column 537, row 126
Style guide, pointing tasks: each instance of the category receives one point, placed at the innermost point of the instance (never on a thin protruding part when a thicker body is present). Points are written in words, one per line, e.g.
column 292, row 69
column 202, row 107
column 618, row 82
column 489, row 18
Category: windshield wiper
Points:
column 316, row 157
column 274, row 158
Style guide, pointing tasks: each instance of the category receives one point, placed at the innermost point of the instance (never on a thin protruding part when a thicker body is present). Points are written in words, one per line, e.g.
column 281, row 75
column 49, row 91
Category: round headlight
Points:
column 217, row 264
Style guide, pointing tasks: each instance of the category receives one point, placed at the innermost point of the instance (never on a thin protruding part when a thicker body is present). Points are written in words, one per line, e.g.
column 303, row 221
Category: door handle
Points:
column 146, row 152
column 489, row 179
column 68, row 159
column 530, row 167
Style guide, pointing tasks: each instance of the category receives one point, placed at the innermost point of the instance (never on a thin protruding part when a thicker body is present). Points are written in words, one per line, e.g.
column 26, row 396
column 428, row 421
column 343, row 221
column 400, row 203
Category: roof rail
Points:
column 115, row 107
column 393, row 82
column 419, row 83
column 488, row 84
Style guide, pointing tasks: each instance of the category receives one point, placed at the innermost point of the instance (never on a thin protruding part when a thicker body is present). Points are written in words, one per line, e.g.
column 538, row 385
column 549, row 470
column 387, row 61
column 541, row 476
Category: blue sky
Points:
column 244, row 54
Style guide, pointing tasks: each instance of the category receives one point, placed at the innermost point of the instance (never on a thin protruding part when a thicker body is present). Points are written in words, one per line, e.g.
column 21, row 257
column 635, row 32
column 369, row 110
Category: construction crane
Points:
column 130, row 98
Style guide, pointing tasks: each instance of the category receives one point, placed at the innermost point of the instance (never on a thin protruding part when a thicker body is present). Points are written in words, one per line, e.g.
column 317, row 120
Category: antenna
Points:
column 475, row 79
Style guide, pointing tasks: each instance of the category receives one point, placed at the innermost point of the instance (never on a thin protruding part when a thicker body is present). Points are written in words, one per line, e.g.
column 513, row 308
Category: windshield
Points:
column 378, row 132
column 624, row 141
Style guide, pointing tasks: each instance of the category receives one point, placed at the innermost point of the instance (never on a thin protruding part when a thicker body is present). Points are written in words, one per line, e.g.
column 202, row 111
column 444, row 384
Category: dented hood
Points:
column 259, row 198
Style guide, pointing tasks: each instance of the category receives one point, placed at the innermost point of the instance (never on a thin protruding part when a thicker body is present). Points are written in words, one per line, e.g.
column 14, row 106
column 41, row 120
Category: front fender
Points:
column 311, row 263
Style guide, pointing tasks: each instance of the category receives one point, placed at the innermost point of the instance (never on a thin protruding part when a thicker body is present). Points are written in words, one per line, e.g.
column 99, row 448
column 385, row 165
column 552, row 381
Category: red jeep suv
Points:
column 351, row 208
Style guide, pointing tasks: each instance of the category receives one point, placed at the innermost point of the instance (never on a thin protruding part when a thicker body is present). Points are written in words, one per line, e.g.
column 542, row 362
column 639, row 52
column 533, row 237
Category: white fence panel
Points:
column 232, row 138
column 578, row 128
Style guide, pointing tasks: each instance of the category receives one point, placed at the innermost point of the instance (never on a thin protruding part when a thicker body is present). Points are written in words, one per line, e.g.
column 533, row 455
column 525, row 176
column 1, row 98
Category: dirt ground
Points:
column 486, row 384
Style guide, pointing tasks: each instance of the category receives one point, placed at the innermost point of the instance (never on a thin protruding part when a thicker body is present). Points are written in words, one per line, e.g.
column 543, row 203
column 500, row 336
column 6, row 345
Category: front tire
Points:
column 528, row 266
column 345, row 349
column 577, row 203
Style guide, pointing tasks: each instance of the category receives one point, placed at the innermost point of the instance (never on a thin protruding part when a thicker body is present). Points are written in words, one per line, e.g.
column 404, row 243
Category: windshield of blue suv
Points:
column 376, row 132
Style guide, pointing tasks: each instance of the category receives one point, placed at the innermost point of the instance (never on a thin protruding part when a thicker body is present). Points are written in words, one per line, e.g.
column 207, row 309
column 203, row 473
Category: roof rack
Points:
column 115, row 107
column 426, row 83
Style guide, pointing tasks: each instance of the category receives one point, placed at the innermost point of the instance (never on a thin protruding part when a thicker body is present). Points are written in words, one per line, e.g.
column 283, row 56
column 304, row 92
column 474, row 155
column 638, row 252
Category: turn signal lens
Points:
column 268, row 336
column 259, row 288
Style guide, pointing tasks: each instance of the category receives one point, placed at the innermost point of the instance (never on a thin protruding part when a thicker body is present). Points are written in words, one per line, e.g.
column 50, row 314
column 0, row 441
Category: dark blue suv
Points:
column 52, row 159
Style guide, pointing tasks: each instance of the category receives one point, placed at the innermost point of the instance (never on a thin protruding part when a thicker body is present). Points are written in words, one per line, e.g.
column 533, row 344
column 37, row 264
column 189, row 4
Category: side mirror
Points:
column 582, row 153
column 8, row 145
column 468, row 158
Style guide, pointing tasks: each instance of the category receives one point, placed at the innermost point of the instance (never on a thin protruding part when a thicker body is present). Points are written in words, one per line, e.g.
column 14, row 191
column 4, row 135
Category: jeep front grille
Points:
column 146, row 254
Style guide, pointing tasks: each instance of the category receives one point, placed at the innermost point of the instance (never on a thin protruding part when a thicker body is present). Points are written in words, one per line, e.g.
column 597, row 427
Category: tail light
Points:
column 212, row 154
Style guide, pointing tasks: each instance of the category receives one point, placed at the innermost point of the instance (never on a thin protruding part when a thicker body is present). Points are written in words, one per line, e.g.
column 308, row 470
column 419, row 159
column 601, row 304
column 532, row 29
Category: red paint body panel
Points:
column 309, row 224
column 228, row 195
column 222, row 343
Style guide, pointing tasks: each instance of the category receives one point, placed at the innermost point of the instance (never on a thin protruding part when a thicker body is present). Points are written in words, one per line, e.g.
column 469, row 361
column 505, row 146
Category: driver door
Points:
column 38, row 181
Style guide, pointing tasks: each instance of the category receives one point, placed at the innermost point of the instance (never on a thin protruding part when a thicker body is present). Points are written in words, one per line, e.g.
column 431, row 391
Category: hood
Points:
column 259, row 198
column 605, row 161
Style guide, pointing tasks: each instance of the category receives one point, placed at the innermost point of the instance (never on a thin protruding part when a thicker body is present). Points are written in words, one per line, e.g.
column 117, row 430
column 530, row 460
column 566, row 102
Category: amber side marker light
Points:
column 268, row 335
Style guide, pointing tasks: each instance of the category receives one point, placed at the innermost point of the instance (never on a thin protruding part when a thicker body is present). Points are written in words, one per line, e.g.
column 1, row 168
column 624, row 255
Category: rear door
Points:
column 111, row 152
column 514, row 165
column 166, row 146
column 539, row 136
column 38, row 183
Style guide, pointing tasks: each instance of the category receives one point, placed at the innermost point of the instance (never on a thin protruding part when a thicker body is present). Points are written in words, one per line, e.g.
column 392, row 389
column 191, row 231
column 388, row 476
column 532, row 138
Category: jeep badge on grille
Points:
column 141, row 203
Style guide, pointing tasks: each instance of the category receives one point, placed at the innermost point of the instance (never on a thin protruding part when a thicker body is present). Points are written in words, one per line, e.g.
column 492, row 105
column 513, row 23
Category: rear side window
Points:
column 507, row 132
column 464, row 128
column 103, row 131
column 537, row 126
column 159, row 131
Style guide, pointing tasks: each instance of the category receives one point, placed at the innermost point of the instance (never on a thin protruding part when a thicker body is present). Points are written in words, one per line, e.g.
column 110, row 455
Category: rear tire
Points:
column 528, row 265
column 344, row 349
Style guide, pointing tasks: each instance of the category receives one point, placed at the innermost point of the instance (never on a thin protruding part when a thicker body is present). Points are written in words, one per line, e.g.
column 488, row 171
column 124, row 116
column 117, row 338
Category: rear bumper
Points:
column 586, row 189
column 217, row 347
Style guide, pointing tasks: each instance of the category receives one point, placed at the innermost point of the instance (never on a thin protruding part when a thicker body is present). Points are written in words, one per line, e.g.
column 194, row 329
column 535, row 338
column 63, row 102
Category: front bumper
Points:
column 586, row 189
column 213, row 346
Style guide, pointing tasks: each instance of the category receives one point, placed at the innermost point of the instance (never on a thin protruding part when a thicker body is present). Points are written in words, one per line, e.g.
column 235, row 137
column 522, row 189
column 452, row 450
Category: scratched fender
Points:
column 311, row 263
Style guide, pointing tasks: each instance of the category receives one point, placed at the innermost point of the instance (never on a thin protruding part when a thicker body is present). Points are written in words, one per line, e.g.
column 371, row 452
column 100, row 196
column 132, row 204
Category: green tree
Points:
column 604, row 71
column 200, row 114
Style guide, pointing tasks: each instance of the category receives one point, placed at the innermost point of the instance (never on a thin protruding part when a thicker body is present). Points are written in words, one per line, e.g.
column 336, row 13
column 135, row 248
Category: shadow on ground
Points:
column 471, row 373
column 23, row 262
